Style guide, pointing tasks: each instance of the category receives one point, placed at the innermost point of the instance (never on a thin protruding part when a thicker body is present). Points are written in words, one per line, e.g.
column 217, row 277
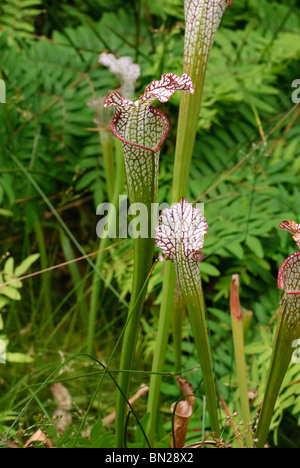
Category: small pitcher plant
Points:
column 288, row 330
column 142, row 129
column 180, row 235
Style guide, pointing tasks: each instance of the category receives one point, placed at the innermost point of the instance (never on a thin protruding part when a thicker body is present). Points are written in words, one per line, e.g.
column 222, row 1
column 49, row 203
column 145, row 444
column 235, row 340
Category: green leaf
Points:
column 6, row 213
column 25, row 265
column 3, row 302
column 16, row 284
column 11, row 292
column 100, row 438
column 209, row 269
column 9, row 266
column 18, row 358
column 255, row 348
column 236, row 249
column 255, row 245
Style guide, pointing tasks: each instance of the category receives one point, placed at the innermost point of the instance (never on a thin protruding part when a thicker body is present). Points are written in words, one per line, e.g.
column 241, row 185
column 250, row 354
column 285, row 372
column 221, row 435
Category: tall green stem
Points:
column 103, row 243
column 145, row 193
column 45, row 296
column 177, row 321
column 113, row 164
column 108, row 162
column 186, row 135
column 143, row 256
column 201, row 24
column 287, row 331
column 202, row 18
column 162, row 338
column 142, row 187
column 110, row 157
column 239, row 353
column 75, row 275
column 196, row 310
column 180, row 235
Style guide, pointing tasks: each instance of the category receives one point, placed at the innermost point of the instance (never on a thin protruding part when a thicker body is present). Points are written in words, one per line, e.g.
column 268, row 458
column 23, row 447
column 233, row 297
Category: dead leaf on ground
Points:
column 38, row 436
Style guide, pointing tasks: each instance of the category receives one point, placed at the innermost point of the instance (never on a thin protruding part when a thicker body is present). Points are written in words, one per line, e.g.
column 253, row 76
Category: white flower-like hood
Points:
column 180, row 233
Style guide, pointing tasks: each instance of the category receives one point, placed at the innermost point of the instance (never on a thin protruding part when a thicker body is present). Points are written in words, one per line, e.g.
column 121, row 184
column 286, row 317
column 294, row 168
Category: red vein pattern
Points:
column 289, row 274
column 203, row 18
column 138, row 123
column 180, row 235
column 289, row 281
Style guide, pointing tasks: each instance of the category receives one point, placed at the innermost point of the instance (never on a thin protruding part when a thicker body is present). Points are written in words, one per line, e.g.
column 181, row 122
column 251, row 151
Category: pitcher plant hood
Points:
column 202, row 18
column 181, row 232
column 138, row 123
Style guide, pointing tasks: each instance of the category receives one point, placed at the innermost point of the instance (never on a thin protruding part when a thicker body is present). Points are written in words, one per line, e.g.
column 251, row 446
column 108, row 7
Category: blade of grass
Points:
column 76, row 276
column 103, row 243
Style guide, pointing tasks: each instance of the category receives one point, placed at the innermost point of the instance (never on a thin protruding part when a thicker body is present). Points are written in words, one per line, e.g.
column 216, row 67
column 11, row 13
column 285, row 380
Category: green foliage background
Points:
column 246, row 171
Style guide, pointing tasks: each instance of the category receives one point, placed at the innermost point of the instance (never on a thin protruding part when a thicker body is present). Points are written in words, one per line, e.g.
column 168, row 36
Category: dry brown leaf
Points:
column 111, row 417
column 10, row 444
column 38, row 436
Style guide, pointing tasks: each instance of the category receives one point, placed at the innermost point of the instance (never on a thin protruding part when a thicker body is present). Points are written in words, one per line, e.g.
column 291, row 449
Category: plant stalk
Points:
column 107, row 146
column 143, row 259
column 180, row 235
column 103, row 243
column 196, row 311
column 142, row 129
column 188, row 117
column 177, row 322
column 199, row 35
column 163, row 328
column 287, row 331
column 239, row 353
column 186, row 134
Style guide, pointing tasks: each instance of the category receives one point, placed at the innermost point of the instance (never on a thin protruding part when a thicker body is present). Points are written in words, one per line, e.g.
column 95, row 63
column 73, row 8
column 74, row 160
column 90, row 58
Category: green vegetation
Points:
column 63, row 316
